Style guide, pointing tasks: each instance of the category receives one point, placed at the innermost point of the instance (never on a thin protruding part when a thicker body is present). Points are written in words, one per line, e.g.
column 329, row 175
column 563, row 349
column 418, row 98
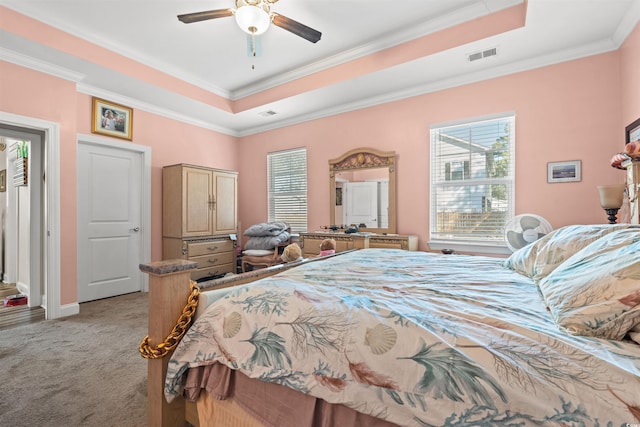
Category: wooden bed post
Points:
column 168, row 293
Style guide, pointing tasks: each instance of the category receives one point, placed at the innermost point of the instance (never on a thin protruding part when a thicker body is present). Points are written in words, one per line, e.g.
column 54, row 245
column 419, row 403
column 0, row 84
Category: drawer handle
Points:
column 212, row 248
column 213, row 261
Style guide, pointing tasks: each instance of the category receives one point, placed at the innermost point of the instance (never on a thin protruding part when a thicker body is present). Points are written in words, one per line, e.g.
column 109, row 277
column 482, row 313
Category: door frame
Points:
column 51, row 252
column 34, row 286
column 145, row 193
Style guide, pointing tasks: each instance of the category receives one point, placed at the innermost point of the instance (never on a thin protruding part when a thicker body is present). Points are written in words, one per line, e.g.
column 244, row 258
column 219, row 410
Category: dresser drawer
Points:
column 218, row 270
column 387, row 244
column 209, row 260
column 195, row 249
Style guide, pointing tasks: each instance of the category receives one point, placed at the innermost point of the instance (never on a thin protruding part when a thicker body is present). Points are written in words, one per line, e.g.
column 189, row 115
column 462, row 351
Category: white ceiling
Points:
column 213, row 54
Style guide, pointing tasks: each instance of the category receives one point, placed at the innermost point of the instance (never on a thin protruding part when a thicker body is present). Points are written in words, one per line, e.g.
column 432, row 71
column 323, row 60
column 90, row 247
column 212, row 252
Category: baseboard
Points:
column 22, row 288
column 69, row 309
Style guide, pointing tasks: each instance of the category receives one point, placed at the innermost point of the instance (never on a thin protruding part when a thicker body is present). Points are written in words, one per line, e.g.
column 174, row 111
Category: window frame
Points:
column 483, row 245
column 283, row 156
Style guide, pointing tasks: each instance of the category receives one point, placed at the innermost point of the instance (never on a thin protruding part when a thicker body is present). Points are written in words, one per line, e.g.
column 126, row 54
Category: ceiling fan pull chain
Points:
column 253, row 44
column 254, row 48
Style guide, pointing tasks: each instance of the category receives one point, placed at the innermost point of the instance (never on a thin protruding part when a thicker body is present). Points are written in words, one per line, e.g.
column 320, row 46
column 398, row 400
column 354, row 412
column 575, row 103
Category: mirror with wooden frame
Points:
column 362, row 184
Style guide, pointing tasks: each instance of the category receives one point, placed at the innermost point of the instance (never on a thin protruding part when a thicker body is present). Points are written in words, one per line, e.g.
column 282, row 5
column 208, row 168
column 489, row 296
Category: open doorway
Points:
column 22, row 213
column 44, row 240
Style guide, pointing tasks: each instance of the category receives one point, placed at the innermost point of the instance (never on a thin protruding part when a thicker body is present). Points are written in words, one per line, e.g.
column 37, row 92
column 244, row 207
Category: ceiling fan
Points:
column 254, row 17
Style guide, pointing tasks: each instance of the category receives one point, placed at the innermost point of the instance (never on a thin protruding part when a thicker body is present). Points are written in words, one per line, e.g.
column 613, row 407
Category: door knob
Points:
column 136, row 229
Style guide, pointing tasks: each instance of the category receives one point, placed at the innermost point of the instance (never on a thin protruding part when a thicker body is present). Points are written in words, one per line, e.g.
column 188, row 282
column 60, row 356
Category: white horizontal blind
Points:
column 287, row 178
column 472, row 180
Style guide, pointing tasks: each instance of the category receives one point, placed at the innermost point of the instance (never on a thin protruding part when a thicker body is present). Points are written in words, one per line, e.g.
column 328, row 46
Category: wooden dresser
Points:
column 310, row 242
column 199, row 218
column 215, row 256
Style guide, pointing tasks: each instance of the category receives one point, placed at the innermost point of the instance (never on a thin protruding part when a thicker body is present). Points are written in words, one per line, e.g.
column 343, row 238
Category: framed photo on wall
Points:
column 3, row 180
column 569, row 171
column 111, row 119
column 632, row 132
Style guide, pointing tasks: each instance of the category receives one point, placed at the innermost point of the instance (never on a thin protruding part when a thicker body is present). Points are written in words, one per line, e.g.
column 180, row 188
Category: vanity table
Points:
column 362, row 193
column 310, row 242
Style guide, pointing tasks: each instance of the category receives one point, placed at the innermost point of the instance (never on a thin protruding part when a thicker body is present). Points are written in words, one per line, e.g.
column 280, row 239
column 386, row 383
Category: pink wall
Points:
column 575, row 110
column 33, row 94
column 569, row 111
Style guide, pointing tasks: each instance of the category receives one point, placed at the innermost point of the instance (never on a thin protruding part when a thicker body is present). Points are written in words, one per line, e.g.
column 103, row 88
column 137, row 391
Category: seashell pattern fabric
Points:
column 420, row 339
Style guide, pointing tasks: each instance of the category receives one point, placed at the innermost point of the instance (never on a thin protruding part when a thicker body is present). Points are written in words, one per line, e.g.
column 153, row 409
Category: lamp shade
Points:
column 252, row 19
column 611, row 196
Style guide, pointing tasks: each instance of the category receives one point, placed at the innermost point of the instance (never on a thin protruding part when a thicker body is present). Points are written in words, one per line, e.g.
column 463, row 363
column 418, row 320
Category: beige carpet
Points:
column 83, row 370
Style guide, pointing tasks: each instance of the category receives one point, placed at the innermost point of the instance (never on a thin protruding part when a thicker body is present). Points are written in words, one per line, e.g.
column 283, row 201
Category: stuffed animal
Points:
column 327, row 247
column 291, row 253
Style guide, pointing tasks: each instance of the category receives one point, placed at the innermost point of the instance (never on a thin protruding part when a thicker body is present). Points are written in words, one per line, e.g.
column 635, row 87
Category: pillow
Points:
column 596, row 292
column 266, row 229
column 267, row 242
column 541, row 257
column 634, row 334
column 257, row 252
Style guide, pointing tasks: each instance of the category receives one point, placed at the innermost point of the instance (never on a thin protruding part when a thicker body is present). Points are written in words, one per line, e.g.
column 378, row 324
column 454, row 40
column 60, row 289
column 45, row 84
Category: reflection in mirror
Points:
column 362, row 190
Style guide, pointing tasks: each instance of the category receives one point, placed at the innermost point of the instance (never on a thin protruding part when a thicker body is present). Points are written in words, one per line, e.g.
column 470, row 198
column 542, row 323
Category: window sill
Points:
column 472, row 247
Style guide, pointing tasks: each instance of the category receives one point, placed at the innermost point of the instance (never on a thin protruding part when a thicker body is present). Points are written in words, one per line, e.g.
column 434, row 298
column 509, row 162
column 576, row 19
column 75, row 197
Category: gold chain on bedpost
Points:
column 178, row 331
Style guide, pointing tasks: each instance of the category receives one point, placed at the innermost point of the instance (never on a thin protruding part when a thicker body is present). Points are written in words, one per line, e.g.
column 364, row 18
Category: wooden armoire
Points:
column 200, row 218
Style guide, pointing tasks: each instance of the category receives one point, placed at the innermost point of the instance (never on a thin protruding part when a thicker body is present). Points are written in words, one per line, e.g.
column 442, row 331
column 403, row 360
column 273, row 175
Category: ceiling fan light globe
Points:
column 252, row 19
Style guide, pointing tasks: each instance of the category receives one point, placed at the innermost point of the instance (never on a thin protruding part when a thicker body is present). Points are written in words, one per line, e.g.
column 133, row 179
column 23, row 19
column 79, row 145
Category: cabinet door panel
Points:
column 198, row 203
column 226, row 203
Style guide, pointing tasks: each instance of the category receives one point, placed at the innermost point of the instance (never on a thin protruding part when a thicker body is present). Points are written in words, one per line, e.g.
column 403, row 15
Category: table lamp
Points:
column 611, row 200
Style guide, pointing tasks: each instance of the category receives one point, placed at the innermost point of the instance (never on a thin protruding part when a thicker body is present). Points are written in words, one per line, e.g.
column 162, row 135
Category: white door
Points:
column 110, row 184
column 361, row 200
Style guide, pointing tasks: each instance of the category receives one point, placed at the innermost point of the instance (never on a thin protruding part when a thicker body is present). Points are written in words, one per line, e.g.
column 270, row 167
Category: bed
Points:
column 388, row 337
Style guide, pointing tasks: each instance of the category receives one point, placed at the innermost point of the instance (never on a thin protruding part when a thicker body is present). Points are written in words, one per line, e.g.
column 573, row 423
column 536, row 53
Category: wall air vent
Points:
column 482, row 54
column 267, row 113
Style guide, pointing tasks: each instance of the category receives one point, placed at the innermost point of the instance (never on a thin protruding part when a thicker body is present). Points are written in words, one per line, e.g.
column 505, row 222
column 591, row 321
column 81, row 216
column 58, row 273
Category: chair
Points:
column 263, row 258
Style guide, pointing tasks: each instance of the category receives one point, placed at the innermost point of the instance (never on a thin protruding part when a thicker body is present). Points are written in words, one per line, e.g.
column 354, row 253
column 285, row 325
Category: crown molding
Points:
column 33, row 12
column 439, row 23
column 561, row 56
column 154, row 109
column 628, row 23
column 39, row 65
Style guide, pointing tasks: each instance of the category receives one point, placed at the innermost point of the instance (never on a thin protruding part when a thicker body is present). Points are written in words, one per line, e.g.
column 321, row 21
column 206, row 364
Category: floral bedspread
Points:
column 417, row 339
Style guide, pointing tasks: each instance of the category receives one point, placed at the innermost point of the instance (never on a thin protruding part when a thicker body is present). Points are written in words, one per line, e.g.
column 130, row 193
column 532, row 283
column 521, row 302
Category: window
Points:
column 287, row 178
column 472, row 175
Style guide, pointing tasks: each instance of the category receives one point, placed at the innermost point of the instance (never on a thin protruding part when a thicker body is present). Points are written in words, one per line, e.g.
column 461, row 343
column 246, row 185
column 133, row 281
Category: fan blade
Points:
column 516, row 239
column 296, row 28
column 529, row 223
column 188, row 18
